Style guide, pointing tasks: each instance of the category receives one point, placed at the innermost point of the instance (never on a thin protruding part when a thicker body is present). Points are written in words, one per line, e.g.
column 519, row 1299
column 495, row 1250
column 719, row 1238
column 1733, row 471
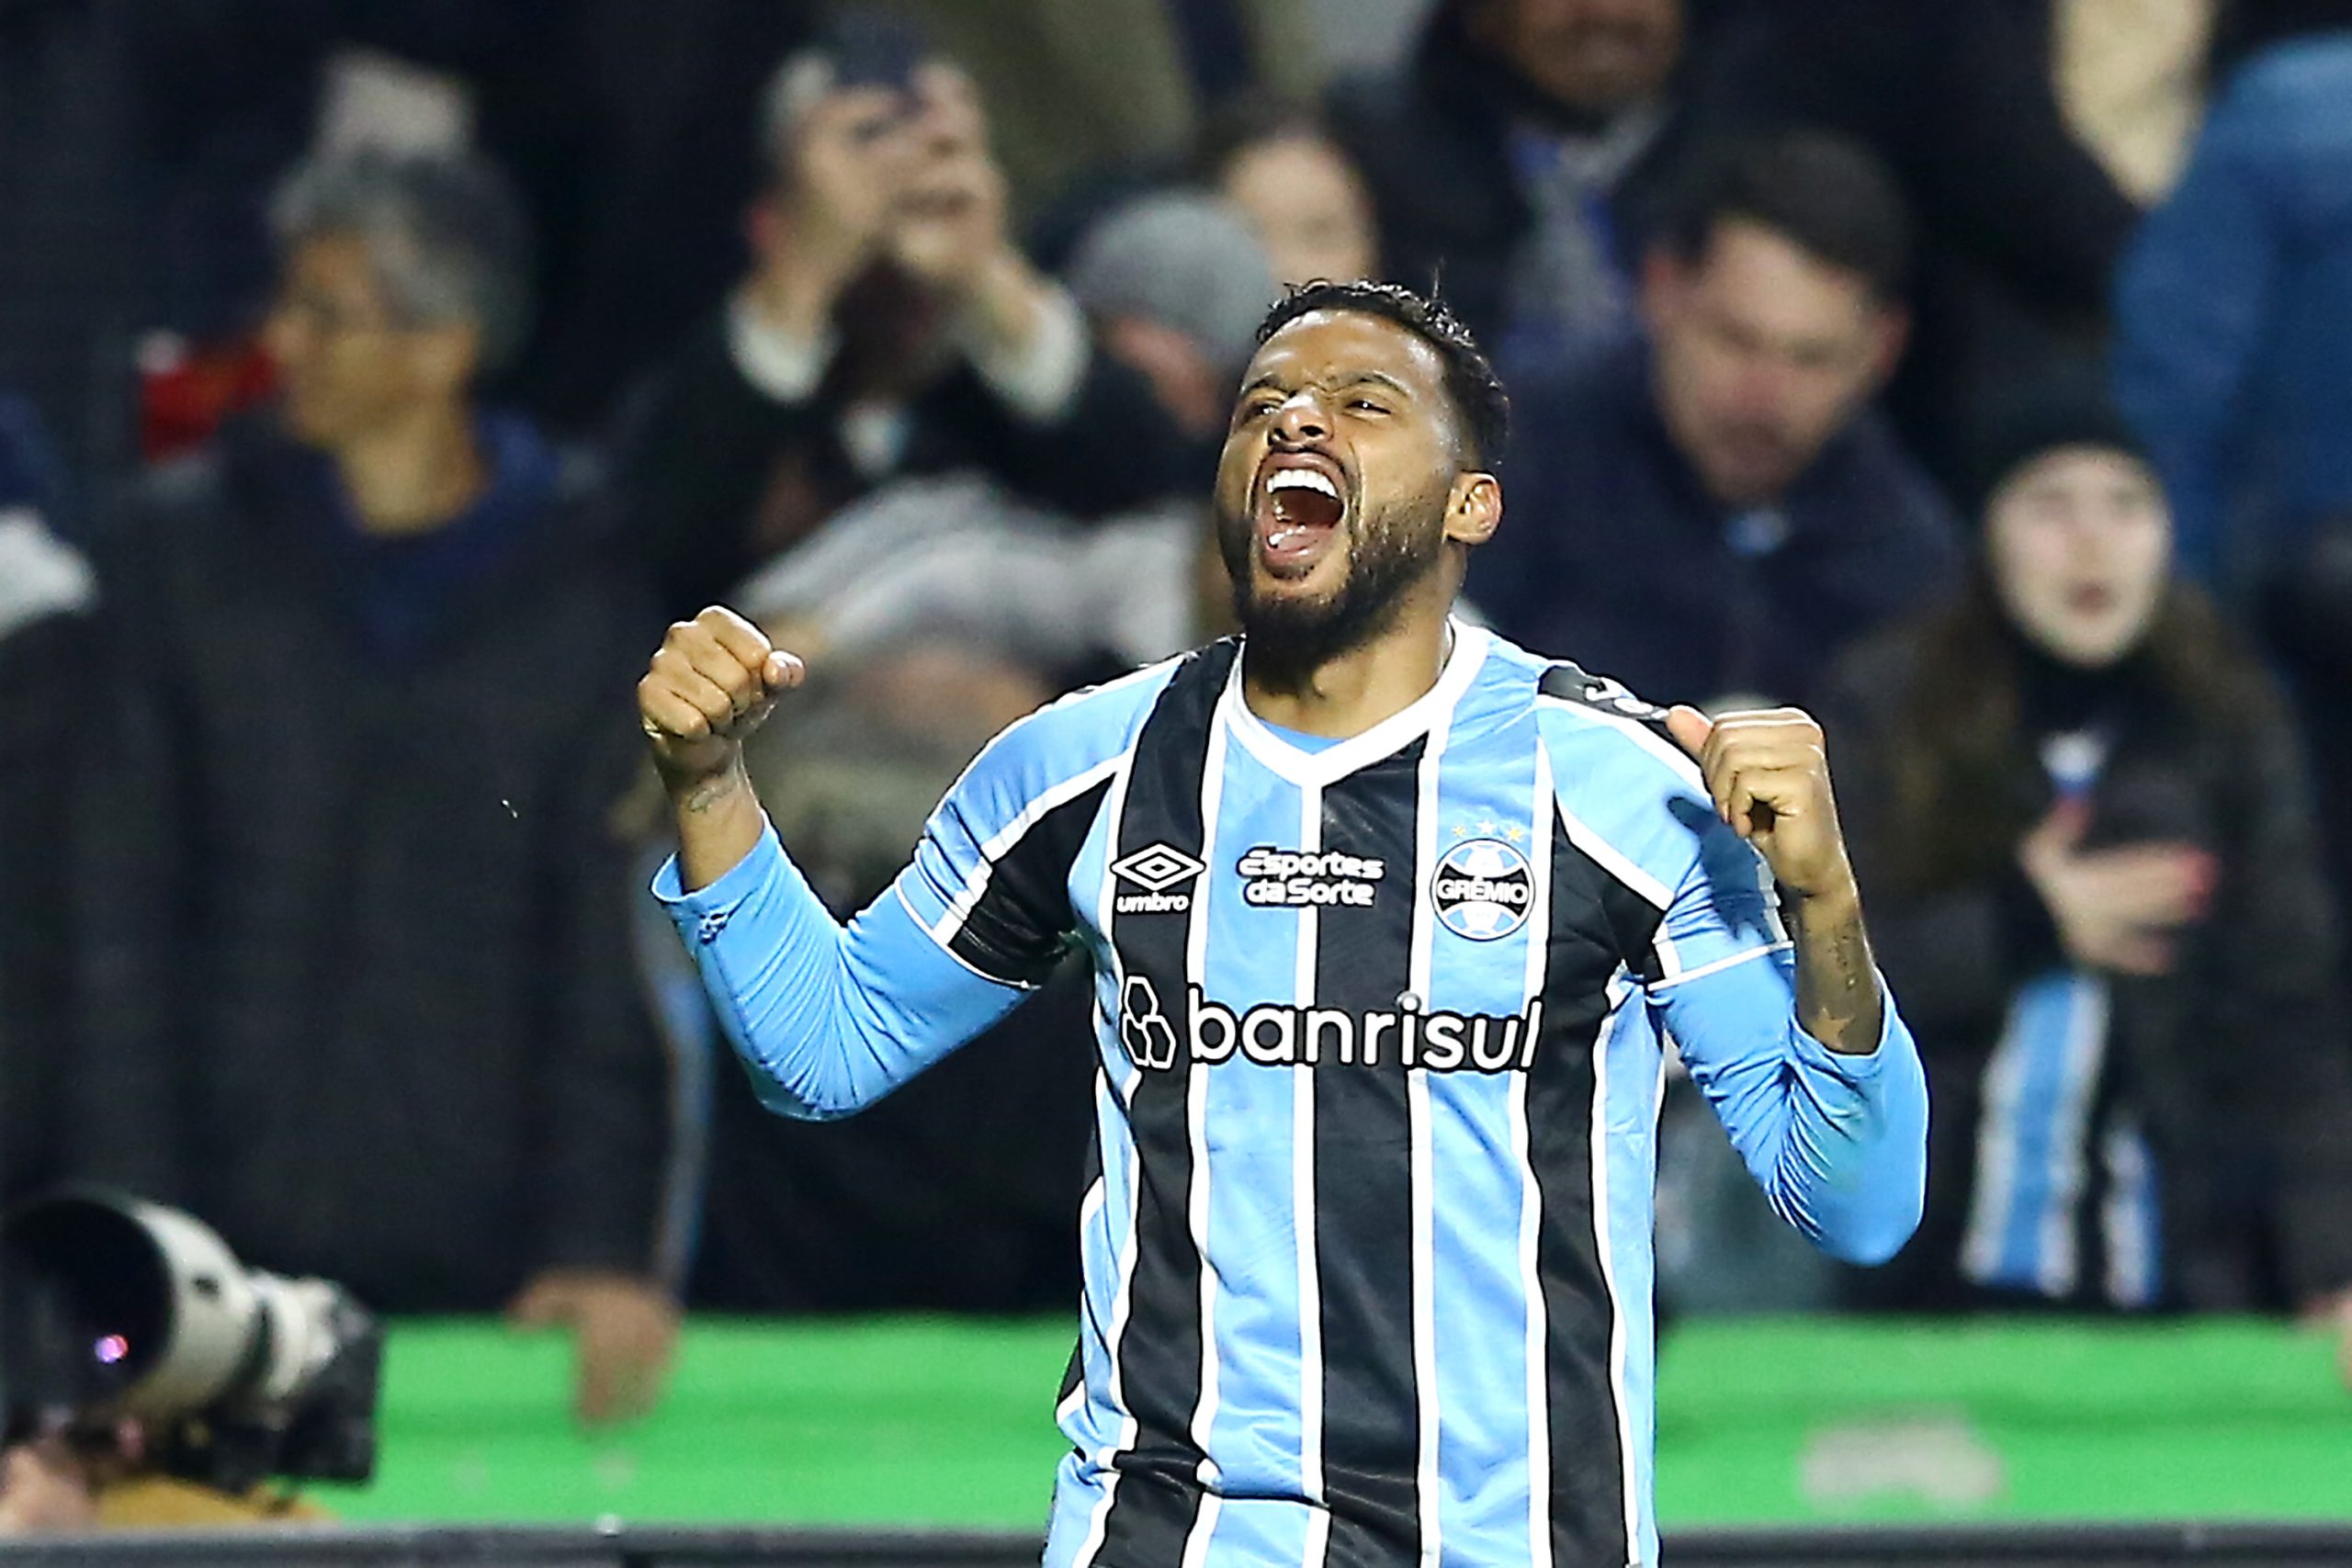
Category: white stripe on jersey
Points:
column 1634, row 730
column 1607, row 856
column 1530, row 1191
column 1310, row 1279
column 1010, row 834
column 1419, row 973
column 1122, row 1298
column 1628, row 1468
column 1716, row 966
column 1197, row 1105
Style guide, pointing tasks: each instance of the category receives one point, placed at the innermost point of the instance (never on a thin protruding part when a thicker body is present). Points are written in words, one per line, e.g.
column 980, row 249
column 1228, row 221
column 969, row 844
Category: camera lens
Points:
column 89, row 1307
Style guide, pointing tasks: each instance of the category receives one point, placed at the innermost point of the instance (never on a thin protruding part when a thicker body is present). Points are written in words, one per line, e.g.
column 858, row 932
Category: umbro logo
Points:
column 1158, row 870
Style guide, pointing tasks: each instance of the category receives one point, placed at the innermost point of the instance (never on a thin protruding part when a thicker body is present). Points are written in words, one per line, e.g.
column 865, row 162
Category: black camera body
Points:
column 113, row 1308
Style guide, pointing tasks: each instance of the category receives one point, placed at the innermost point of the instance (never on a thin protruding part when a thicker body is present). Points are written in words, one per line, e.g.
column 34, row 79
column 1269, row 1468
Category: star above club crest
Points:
column 1461, row 830
column 1486, row 827
column 1514, row 833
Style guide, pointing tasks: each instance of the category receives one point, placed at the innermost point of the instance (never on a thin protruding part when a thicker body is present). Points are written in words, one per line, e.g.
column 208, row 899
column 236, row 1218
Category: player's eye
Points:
column 1366, row 405
column 1257, row 409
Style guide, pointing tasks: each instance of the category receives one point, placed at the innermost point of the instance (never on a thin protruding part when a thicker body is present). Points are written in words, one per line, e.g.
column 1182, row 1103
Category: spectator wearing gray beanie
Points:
column 1176, row 283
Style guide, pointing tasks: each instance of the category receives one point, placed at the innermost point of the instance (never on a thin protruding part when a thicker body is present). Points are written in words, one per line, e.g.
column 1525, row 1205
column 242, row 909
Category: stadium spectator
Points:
column 888, row 327
column 1281, row 165
column 353, row 977
column 1175, row 284
column 624, row 130
column 1711, row 510
column 1079, row 86
column 2076, row 807
column 2234, row 308
column 2234, row 336
column 46, row 590
column 1977, row 107
column 1509, row 159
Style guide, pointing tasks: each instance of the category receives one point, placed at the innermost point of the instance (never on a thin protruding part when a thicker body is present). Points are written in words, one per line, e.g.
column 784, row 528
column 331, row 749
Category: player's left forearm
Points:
column 1839, row 999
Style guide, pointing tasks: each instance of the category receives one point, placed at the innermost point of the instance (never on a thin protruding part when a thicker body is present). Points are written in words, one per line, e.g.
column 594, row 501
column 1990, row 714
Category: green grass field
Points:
column 949, row 1422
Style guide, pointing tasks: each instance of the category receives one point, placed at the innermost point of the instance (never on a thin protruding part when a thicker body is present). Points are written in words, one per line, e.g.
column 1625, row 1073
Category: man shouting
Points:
column 1389, row 921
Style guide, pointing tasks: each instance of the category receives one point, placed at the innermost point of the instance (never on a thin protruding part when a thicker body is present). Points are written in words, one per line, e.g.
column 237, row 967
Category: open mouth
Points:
column 1299, row 513
column 2091, row 598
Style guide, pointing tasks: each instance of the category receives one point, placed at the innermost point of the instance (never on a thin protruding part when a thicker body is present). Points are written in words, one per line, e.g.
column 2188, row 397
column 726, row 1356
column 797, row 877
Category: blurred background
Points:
column 379, row 376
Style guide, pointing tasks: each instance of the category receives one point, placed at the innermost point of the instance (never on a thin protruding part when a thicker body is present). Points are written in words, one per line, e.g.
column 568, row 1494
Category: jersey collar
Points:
column 1318, row 769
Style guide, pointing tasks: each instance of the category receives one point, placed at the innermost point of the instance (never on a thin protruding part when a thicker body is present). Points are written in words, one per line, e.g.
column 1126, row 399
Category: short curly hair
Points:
column 1479, row 400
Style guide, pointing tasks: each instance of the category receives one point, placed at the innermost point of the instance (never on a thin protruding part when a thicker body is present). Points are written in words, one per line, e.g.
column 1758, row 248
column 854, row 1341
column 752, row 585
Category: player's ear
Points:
column 1475, row 509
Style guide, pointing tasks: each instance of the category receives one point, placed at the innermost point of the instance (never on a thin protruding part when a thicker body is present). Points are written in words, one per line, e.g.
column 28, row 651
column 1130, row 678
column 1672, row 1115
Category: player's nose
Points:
column 1302, row 421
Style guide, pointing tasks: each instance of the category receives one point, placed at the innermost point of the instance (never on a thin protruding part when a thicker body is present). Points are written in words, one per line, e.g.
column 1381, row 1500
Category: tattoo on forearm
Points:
column 1837, row 991
column 712, row 791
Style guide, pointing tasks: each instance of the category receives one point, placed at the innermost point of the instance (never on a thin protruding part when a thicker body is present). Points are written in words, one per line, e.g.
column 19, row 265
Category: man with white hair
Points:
column 353, row 968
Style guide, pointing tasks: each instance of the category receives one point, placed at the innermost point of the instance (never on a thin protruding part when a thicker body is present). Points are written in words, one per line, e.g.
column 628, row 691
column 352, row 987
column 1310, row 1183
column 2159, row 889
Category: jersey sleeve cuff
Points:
column 722, row 897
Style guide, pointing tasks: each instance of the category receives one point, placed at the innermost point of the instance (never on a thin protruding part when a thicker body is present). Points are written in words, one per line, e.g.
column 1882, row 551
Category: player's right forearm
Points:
column 718, row 820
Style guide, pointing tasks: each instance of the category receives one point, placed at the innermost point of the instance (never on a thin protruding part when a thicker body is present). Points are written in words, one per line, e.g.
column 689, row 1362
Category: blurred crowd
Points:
column 378, row 378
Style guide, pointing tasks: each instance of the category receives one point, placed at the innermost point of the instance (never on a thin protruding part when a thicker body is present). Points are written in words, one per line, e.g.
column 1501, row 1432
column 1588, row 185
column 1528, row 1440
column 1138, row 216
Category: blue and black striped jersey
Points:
column 1381, row 1028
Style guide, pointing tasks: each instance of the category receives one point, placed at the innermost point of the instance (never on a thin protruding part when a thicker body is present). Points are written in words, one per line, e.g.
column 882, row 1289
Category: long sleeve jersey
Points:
column 1381, row 1026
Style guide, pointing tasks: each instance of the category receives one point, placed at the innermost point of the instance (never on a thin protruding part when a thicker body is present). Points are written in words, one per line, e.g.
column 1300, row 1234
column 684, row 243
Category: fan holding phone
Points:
column 888, row 327
column 883, row 155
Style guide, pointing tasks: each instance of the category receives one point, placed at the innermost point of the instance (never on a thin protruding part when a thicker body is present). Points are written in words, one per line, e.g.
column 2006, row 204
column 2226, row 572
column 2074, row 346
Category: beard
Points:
column 1290, row 636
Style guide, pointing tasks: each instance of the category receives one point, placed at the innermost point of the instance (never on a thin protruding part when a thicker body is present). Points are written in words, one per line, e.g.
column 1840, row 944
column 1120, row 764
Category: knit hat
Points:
column 1184, row 260
column 2071, row 412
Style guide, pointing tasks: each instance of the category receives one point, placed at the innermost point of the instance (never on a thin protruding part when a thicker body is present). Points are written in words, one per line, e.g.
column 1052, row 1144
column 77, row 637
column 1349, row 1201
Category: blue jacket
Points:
column 1614, row 554
column 2233, row 313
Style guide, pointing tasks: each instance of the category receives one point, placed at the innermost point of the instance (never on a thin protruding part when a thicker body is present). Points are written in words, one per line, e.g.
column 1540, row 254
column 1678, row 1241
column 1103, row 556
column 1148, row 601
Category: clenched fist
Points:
column 712, row 682
column 1769, row 773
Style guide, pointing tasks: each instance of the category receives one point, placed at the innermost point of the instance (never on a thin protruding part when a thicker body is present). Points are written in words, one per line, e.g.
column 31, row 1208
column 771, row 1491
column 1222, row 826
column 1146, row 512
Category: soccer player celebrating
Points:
column 1390, row 921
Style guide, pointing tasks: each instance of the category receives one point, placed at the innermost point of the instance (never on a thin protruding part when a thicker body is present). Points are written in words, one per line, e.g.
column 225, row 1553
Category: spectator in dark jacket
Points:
column 2076, row 807
column 2020, row 224
column 889, row 327
column 355, row 976
column 1714, row 511
column 1511, row 157
column 45, row 654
